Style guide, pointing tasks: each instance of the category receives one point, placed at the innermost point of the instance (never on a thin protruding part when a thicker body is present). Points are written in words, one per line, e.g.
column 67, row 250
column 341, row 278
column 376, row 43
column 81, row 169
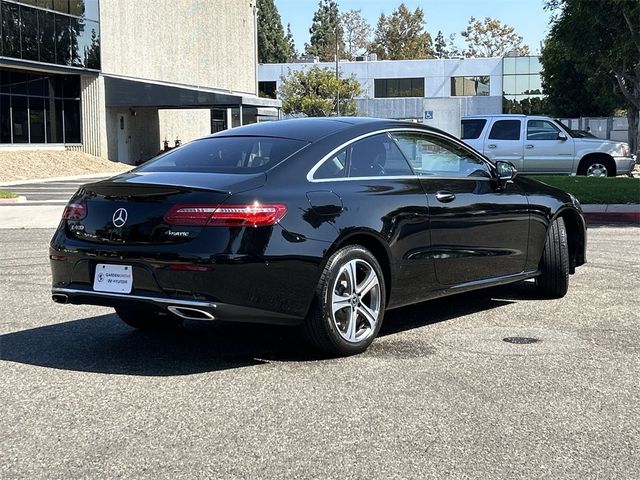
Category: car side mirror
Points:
column 505, row 171
column 562, row 137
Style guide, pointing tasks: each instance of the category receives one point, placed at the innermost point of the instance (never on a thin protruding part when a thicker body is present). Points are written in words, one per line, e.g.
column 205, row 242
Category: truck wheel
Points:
column 597, row 167
column 553, row 281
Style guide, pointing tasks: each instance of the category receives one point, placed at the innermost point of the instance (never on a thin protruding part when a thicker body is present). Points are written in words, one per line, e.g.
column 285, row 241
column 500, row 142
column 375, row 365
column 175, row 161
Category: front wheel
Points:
column 553, row 281
column 349, row 304
column 143, row 319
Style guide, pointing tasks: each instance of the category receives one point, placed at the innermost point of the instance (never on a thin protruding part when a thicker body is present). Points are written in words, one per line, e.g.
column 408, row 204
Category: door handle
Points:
column 529, row 146
column 445, row 197
column 491, row 145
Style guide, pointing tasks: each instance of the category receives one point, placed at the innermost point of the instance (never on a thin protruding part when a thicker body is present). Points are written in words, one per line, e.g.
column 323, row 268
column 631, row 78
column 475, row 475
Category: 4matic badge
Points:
column 171, row 233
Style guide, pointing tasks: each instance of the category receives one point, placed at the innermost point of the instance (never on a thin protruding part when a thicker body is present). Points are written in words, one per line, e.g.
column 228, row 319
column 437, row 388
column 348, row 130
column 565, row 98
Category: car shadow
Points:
column 447, row 308
column 103, row 344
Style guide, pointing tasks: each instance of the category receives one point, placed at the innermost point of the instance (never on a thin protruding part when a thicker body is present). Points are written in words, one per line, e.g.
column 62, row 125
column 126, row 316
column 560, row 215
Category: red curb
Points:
column 613, row 218
column 11, row 201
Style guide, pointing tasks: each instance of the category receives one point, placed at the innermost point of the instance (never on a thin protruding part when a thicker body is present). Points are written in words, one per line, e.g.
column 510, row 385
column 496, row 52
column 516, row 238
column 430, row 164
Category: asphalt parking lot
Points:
column 438, row 395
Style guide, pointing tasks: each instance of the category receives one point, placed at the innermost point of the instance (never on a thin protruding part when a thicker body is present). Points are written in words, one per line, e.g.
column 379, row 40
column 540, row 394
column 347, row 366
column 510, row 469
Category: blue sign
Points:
column 428, row 114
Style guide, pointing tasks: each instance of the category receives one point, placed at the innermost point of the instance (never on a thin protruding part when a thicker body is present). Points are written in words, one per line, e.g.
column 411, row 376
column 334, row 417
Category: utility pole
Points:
column 337, row 68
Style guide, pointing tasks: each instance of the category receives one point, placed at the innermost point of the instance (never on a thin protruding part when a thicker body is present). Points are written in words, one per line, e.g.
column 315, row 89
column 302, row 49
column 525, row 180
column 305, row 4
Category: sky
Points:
column 528, row 17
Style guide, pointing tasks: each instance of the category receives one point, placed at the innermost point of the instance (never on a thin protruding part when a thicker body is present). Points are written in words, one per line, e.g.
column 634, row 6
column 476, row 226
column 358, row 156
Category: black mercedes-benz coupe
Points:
column 322, row 223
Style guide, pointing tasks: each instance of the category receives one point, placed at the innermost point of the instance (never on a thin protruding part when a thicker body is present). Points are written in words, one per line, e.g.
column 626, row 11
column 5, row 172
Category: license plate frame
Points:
column 113, row 278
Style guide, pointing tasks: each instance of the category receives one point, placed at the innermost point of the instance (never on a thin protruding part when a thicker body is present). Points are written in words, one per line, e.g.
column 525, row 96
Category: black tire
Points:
column 144, row 319
column 321, row 329
column 553, row 282
column 593, row 162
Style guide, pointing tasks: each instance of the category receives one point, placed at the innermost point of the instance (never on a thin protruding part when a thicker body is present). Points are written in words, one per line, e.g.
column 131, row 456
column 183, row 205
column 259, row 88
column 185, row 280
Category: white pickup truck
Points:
column 542, row 145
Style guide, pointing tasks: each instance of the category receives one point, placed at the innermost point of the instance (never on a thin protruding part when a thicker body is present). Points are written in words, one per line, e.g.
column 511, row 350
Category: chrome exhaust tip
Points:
column 190, row 313
column 60, row 298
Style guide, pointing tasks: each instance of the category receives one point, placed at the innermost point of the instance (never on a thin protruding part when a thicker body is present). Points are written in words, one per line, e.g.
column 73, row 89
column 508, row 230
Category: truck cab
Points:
column 542, row 145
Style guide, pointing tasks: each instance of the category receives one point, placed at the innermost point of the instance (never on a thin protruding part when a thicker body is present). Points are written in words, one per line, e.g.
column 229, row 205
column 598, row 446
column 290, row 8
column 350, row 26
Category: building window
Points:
column 522, row 85
column 60, row 32
column 470, row 86
column 39, row 107
column 267, row 89
column 398, row 87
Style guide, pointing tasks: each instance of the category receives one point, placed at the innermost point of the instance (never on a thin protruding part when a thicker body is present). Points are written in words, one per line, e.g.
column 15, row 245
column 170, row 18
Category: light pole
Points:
column 337, row 69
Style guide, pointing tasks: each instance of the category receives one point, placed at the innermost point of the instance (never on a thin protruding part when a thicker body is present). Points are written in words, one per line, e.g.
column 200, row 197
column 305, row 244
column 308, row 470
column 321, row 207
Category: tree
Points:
column 440, row 46
column 490, row 38
column 316, row 92
column 445, row 48
column 603, row 55
column 401, row 35
column 323, row 32
column 356, row 32
column 575, row 88
column 272, row 43
column 292, row 53
column 93, row 51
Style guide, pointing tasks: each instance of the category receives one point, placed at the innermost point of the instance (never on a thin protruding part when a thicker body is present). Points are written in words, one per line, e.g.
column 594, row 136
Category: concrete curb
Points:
column 621, row 214
column 60, row 179
column 613, row 218
column 11, row 201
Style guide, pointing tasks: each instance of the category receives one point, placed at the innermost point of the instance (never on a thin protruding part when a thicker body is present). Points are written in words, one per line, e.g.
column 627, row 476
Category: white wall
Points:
column 206, row 43
column 447, row 111
column 437, row 73
column 186, row 125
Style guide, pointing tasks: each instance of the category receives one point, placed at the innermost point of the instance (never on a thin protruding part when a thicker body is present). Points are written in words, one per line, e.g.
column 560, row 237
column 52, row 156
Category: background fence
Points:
column 611, row 128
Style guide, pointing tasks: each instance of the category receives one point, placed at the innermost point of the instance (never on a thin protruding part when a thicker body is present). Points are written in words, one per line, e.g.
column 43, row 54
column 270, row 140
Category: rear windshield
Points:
column 225, row 155
column 472, row 128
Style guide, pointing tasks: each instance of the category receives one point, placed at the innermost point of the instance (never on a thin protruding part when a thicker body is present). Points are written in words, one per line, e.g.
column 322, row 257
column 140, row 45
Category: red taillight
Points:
column 254, row 215
column 75, row 210
column 189, row 214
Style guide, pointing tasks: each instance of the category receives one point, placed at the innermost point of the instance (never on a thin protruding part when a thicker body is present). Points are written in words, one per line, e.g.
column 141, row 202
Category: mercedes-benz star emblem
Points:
column 119, row 217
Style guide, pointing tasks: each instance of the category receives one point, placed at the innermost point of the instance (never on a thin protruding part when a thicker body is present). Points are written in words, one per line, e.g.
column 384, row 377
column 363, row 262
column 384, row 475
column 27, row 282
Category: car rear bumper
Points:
column 624, row 165
column 257, row 270
column 185, row 308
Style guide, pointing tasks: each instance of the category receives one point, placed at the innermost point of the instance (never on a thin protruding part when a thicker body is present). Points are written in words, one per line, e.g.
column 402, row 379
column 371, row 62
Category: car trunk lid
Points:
column 131, row 208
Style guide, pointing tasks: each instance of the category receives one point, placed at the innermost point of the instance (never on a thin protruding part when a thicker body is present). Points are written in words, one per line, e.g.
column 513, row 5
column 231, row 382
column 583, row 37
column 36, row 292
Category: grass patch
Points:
column 7, row 194
column 604, row 190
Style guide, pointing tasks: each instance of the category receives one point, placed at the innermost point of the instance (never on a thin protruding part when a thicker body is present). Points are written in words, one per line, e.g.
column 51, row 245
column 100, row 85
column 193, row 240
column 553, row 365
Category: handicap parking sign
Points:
column 428, row 114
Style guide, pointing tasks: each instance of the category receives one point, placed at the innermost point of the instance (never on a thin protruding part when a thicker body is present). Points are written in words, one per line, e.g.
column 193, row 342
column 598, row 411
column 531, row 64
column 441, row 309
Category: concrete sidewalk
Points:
column 48, row 216
column 20, row 215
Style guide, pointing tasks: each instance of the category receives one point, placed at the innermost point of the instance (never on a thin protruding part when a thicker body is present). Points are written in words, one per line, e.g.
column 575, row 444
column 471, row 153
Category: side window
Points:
column 542, row 130
column 377, row 156
column 505, row 130
column 334, row 167
column 472, row 128
column 433, row 156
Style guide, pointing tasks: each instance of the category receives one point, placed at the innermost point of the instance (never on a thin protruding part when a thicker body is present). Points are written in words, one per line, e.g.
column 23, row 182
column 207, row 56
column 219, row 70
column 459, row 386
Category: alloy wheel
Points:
column 356, row 300
column 597, row 170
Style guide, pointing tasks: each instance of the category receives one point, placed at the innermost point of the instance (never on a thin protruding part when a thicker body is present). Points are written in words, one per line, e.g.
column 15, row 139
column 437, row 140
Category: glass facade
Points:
column 39, row 107
column 522, row 85
column 398, row 87
column 470, row 86
column 61, row 32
